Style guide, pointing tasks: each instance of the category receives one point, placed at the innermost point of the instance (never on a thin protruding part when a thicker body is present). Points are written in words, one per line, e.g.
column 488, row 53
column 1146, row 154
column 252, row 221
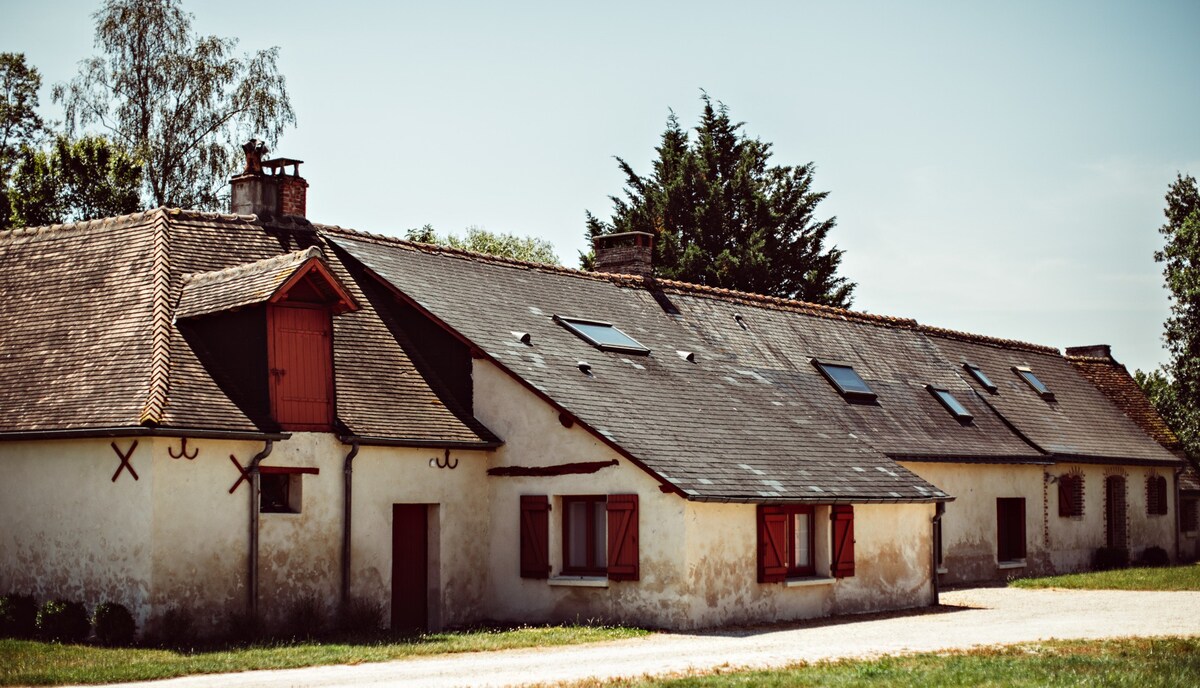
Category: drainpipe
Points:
column 254, row 487
column 348, row 471
column 936, row 522
column 1178, row 515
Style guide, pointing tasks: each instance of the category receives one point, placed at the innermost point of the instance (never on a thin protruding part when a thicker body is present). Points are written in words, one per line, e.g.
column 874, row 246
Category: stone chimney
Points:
column 628, row 253
column 265, row 188
column 1093, row 351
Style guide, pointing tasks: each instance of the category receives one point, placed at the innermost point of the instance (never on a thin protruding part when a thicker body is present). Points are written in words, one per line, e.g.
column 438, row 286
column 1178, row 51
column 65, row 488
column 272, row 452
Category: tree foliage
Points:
column 479, row 240
column 20, row 124
column 73, row 180
column 724, row 216
column 1175, row 391
column 180, row 102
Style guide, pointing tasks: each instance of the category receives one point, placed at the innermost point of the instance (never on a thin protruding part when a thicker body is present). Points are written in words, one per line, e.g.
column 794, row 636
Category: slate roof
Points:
column 89, row 339
column 751, row 417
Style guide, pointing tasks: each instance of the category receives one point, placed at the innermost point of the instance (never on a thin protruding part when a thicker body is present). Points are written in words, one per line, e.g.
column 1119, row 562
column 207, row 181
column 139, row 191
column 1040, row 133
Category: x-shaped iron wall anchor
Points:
column 183, row 451
column 124, row 460
column 245, row 474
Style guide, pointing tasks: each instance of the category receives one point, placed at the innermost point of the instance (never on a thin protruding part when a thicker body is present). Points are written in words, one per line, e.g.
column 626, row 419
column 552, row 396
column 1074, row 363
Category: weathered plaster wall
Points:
column 534, row 437
column 697, row 560
column 200, row 531
column 67, row 530
column 1054, row 544
column 969, row 525
column 892, row 565
column 458, row 527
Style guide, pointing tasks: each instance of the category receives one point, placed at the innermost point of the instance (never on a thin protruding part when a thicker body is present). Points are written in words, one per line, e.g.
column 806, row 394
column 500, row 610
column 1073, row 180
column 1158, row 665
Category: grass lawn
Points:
column 25, row 662
column 1160, row 578
column 1135, row 662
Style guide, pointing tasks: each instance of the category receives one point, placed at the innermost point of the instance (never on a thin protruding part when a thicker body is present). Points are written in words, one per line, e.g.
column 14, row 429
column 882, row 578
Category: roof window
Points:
column 845, row 380
column 980, row 377
column 1037, row 385
column 952, row 404
column 602, row 335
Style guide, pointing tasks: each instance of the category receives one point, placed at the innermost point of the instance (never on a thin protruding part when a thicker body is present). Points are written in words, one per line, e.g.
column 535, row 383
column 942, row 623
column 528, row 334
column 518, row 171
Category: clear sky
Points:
column 993, row 167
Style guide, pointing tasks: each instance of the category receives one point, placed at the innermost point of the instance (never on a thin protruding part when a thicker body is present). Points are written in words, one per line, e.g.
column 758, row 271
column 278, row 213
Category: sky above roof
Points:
column 997, row 168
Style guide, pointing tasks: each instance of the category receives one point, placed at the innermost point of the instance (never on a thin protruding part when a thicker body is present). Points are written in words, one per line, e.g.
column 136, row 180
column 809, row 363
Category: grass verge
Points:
column 25, row 662
column 1133, row 662
column 1159, row 578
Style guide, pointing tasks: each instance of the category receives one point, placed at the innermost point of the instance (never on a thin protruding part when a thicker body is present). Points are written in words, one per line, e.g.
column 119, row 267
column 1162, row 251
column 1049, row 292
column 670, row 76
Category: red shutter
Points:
column 301, row 362
column 622, row 537
column 841, row 562
column 535, row 536
column 772, row 544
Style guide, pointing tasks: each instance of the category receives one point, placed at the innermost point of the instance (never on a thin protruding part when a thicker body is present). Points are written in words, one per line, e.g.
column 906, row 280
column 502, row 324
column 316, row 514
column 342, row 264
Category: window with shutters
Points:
column 1156, row 495
column 787, row 537
column 1070, row 495
column 1010, row 529
column 1188, row 522
column 599, row 536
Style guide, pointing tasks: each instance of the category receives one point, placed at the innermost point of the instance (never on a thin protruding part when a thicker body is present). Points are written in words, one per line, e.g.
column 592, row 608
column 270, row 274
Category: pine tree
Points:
column 722, row 215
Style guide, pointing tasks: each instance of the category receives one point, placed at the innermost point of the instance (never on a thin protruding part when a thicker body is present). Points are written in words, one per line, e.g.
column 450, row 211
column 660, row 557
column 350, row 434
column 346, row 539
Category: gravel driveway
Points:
column 968, row 618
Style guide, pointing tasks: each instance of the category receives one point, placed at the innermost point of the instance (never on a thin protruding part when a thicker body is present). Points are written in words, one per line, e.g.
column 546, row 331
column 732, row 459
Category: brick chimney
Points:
column 265, row 188
column 1093, row 351
column 627, row 253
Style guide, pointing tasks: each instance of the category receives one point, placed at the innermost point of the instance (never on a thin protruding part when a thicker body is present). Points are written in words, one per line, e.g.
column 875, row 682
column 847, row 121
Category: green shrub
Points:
column 64, row 622
column 1155, row 556
column 361, row 616
column 1108, row 558
column 18, row 616
column 305, row 619
column 175, row 629
column 114, row 624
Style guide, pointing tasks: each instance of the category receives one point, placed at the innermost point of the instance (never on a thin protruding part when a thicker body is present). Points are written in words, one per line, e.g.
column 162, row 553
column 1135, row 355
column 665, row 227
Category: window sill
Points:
column 942, row 569
column 1017, row 564
column 808, row 581
column 578, row 581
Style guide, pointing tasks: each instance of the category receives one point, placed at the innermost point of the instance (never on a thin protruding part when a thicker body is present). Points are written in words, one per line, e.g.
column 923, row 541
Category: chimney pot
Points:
column 627, row 253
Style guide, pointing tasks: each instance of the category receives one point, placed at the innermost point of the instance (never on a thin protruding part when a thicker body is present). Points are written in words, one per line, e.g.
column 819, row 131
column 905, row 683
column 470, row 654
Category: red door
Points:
column 410, row 566
column 301, row 367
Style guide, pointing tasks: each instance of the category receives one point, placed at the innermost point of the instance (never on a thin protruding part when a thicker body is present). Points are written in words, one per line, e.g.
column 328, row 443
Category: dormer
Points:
column 289, row 301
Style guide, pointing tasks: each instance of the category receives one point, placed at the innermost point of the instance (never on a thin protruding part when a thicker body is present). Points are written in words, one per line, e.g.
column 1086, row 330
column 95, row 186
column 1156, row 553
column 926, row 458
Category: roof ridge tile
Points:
column 280, row 260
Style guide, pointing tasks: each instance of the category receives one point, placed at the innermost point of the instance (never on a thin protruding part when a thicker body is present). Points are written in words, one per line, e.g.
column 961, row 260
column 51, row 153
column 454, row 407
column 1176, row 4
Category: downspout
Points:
column 252, row 469
column 1178, row 513
column 936, row 523
column 348, row 471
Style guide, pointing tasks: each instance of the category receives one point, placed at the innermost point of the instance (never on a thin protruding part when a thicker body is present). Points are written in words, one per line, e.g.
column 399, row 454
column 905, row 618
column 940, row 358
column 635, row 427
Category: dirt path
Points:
column 980, row 616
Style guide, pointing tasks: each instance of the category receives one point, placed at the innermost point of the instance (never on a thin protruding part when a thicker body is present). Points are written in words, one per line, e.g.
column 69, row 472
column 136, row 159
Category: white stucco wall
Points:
column 697, row 560
column 67, row 530
column 458, row 527
column 1054, row 544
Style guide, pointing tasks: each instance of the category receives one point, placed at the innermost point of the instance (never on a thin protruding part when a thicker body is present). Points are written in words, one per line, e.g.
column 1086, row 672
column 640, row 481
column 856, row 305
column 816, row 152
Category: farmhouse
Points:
column 238, row 414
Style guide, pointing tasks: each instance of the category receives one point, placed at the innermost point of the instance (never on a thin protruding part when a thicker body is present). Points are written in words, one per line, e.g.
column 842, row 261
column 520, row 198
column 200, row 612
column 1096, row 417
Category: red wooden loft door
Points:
column 301, row 363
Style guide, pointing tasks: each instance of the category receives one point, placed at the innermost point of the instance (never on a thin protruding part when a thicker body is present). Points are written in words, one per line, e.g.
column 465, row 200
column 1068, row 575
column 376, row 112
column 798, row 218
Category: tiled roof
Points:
column 89, row 341
column 751, row 400
column 1115, row 382
column 241, row 285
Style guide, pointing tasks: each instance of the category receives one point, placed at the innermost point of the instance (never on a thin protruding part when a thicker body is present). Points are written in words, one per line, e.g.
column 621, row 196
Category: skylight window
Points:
column 951, row 403
column 1037, row 385
column 980, row 377
column 845, row 380
column 602, row 335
